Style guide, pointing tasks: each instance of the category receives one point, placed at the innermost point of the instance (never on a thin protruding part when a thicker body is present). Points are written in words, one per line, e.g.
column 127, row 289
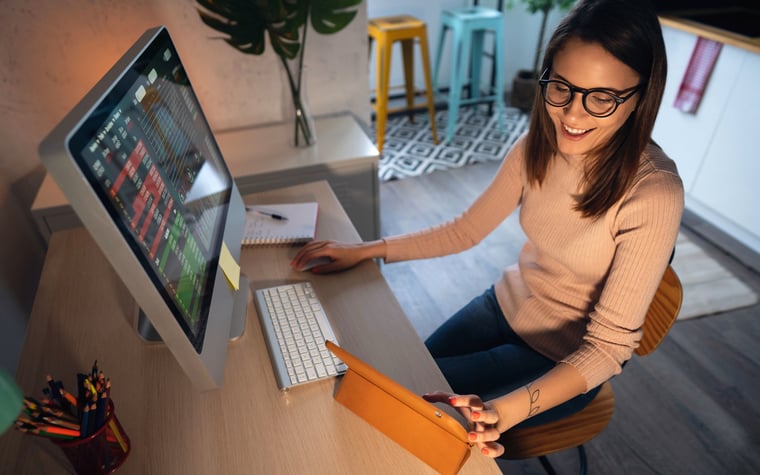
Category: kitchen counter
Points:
column 687, row 20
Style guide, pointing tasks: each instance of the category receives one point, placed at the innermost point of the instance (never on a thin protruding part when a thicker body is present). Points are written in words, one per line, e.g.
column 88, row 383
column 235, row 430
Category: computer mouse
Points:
column 316, row 262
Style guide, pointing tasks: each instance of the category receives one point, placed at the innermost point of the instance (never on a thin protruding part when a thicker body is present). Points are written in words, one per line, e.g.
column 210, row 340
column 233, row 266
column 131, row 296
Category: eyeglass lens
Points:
column 559, row 94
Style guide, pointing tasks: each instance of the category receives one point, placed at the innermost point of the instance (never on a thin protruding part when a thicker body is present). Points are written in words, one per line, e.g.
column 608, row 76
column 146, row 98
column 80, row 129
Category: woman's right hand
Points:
column 481, row 417
column 342, row 255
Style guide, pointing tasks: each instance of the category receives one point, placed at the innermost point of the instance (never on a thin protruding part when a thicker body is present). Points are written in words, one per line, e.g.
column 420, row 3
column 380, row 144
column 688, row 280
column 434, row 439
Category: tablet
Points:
column 420, row 427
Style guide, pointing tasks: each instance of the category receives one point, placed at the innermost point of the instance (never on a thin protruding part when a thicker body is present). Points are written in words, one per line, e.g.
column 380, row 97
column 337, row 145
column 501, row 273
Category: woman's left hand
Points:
column 483, row 419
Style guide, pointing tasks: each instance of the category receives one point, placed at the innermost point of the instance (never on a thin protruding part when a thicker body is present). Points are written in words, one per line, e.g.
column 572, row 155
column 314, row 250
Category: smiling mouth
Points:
column 575, row 132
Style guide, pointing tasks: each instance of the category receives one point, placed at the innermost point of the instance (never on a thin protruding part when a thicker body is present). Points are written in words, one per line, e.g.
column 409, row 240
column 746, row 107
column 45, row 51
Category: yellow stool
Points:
column 385, row 31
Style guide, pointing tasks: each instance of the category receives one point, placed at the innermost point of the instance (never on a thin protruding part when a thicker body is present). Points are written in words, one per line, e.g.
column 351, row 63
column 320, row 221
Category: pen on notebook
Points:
column 280, row 217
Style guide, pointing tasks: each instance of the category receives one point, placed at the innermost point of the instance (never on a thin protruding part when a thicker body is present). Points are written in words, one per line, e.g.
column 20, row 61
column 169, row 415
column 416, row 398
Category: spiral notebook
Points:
column 286, row 223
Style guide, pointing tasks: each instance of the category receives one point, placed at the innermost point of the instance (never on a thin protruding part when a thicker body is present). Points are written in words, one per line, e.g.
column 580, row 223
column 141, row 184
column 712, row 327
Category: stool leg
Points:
column 475, row 63
column 428, row 85
column 461, row 48
column 582, row 461
column 383, row 77
column 492, row 83
column 369, row 58
column 499, row 68
column 547, row 465
column 407, row 52
column 438, row 56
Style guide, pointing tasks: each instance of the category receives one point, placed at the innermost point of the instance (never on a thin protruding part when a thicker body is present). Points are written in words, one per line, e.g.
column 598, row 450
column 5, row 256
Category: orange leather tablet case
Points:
column 420, row 427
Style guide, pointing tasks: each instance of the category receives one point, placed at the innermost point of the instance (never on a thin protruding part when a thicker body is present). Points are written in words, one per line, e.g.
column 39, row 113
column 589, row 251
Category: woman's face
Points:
column 587, row 66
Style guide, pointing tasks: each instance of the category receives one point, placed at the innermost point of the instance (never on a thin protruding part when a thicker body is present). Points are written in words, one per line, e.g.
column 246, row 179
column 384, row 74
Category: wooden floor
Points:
column 692, row 407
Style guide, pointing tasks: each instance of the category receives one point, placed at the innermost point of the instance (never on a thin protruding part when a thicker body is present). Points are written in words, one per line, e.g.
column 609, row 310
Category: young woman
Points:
column 600, row 204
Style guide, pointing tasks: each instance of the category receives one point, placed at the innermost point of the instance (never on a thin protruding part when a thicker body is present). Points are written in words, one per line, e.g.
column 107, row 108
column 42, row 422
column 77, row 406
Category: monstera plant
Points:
column 247, row 23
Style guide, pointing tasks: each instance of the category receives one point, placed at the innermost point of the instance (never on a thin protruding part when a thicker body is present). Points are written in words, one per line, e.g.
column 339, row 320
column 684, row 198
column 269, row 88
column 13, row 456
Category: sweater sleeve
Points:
column 644, row 228
column 493, row 206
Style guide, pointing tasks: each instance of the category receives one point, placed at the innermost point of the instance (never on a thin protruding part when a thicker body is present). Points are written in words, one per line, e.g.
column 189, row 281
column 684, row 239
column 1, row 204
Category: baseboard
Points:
column 721, row 239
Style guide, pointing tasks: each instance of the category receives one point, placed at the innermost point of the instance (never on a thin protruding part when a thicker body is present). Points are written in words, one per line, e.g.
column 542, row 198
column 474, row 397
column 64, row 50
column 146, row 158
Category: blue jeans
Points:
column 479, row 353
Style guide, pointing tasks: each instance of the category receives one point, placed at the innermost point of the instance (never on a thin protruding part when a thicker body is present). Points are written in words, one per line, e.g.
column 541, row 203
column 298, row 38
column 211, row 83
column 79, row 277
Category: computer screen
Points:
column 138, row 162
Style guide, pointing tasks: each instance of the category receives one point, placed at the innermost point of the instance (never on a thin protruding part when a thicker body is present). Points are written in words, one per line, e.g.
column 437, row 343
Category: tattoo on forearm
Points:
column 533, row 395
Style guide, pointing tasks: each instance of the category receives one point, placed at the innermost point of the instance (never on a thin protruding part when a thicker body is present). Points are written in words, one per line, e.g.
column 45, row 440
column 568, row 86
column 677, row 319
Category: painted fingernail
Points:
column 452, row 400
column 476, row 415
column 472, row 436
column 484, row 451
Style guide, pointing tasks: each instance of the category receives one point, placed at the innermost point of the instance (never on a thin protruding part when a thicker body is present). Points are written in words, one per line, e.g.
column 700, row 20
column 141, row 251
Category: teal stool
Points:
column 468, row 27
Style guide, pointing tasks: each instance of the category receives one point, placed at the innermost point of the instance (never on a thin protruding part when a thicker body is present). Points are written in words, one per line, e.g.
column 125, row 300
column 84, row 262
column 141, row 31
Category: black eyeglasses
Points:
column 597, row 101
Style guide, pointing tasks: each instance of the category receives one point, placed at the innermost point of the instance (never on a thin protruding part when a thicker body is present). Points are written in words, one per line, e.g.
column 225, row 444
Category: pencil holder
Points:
column 101, row 452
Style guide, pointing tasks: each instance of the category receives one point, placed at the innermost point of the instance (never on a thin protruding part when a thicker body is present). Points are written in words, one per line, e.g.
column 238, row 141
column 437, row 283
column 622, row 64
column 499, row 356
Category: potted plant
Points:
column 246, row 24
column 524, row 83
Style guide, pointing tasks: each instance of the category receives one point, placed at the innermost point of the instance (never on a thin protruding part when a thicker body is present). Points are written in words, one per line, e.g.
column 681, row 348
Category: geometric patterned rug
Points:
column 409, row 149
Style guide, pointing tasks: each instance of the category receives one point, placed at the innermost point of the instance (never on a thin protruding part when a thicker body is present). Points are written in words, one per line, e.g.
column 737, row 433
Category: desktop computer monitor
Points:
column 139, row 165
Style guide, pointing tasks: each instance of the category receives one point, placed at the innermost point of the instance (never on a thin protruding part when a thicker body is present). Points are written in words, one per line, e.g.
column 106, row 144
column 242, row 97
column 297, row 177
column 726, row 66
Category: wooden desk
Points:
column 260, row 159
column 83, row 312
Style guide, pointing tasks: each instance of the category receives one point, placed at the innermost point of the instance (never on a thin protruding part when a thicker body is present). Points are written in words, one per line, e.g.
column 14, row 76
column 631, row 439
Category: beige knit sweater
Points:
column 581, row 287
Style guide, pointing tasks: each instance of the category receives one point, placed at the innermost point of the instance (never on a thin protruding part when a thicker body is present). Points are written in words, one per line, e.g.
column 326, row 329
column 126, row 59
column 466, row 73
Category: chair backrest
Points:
column 579, row 428
column 662, row 312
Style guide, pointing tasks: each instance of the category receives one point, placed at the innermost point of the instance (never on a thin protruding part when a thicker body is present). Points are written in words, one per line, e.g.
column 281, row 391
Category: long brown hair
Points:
column 630, row 31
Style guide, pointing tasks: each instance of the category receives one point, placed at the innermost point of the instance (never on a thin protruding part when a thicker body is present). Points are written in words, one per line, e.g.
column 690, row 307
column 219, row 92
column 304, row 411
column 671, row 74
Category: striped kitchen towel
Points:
column 698, row 72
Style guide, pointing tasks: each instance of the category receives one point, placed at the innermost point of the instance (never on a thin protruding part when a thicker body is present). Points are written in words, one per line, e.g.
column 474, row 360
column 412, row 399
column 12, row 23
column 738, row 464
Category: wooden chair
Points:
column 574, row 431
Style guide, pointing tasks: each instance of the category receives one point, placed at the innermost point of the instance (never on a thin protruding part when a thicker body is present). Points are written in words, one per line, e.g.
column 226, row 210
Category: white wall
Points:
column 53, row 51
column 520, row 37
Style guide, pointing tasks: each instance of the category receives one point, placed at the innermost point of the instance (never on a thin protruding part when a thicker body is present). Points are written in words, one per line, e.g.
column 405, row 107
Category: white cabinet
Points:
column 728, row 182
column 715, row 149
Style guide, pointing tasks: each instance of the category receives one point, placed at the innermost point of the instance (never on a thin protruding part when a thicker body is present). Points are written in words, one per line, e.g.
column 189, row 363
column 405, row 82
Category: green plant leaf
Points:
column 245, row 23
column 284, row 19
column 545, row 6
column 331, row 16
column 237, row 20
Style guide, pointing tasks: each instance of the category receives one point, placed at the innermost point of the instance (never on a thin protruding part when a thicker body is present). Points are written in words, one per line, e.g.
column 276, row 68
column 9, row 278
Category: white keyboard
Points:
column 295, row 329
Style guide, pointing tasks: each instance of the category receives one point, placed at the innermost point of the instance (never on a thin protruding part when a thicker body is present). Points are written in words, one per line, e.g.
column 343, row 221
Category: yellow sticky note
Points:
column 230, row 267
